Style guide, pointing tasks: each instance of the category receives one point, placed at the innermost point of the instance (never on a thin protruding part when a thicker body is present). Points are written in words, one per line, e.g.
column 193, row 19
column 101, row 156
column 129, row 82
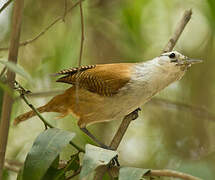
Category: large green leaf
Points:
column 44, row 151
column 17, row 69
column 128, row 173
column 94, row 157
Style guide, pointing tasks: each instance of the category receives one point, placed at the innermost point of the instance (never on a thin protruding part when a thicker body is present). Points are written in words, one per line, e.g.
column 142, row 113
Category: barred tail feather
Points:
column 28, row 115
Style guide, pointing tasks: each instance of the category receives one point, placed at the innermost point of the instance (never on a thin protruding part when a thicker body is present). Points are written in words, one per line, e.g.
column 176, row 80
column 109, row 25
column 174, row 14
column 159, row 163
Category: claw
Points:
column 135, row 113
column 114, row 162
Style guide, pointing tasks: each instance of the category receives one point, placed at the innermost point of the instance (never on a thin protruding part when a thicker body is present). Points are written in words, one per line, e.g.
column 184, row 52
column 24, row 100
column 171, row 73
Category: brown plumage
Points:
column 96, row 83
column 104, row 80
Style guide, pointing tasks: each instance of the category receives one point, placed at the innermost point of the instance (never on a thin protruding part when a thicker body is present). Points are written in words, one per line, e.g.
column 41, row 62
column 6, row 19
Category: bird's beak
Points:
column 188, row 62
column 193, row 61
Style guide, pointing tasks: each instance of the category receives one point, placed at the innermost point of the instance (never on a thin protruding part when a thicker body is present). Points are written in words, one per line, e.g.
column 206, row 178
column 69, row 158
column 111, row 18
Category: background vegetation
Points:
column 167, row 135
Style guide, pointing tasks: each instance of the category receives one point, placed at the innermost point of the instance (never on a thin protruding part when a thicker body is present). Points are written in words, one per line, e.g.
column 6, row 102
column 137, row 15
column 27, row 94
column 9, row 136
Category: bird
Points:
column 106, row 92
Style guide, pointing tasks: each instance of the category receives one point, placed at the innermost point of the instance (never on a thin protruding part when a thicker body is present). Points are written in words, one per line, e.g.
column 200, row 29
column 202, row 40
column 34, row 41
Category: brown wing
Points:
column 105, row 80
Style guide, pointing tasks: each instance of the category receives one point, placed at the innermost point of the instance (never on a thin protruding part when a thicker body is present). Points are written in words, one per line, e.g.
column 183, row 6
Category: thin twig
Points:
column 77, row 147
column 82, row 34
column 127, row 120
column 36, row 111
column 44, row 94
column 158, row 173
column 171, row 173
column 22, row 93
column 47, row 123
column 179, row 29
column 81, row 51
column 45, row 30
column 7, row 100
column 65, row 10
column 5, row 5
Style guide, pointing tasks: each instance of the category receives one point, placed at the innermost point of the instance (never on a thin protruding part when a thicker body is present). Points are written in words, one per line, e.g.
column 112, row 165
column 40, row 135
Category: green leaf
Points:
column 53, row 170
column 52, row 173
column 127, row 173
column 94, row 157
column 73, row 164
column 17, row 69
column 44, row 151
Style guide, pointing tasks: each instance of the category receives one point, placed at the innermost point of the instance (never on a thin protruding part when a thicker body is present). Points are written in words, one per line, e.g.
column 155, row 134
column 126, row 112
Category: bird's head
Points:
column 177, row 60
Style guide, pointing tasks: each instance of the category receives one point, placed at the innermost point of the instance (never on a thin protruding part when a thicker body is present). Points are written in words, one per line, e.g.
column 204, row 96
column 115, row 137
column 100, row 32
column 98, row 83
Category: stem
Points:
column 77, row 147
column 36, row 112
column 7, row 100
column 179, row 29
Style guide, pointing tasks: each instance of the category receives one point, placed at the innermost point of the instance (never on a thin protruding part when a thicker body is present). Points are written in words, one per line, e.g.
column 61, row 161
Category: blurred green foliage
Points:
column 124, row 31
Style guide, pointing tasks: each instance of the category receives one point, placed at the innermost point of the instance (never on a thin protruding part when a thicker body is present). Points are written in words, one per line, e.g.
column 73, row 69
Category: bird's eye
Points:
column 172, row 55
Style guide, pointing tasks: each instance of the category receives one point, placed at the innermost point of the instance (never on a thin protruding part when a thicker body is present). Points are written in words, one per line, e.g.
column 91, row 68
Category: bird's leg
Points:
column 85, row 130
column 115, row 159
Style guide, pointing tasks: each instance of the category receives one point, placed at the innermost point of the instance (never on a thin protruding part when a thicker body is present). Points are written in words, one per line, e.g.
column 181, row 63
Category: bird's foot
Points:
column 134, row 114
column 114, row 162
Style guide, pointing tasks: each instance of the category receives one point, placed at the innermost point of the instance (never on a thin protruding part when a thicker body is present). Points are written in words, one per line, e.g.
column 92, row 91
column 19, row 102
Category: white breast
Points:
column 147, row 80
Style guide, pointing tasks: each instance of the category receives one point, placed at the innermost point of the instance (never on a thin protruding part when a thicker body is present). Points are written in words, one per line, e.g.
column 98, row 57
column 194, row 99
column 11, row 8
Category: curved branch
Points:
column 114, row 171
column 171, row 173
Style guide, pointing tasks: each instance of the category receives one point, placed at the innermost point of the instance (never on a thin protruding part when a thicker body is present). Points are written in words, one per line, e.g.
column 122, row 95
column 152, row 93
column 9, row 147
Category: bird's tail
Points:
column 29, row 114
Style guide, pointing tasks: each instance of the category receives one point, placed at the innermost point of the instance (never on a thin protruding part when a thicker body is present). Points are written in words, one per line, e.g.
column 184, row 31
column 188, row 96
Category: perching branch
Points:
column 179, row 29
column 127, row 120
column 7, row 100
column 24, row 43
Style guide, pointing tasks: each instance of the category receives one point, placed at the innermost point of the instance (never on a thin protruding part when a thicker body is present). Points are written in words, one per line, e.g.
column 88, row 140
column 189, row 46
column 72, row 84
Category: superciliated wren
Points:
column 111, row 91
